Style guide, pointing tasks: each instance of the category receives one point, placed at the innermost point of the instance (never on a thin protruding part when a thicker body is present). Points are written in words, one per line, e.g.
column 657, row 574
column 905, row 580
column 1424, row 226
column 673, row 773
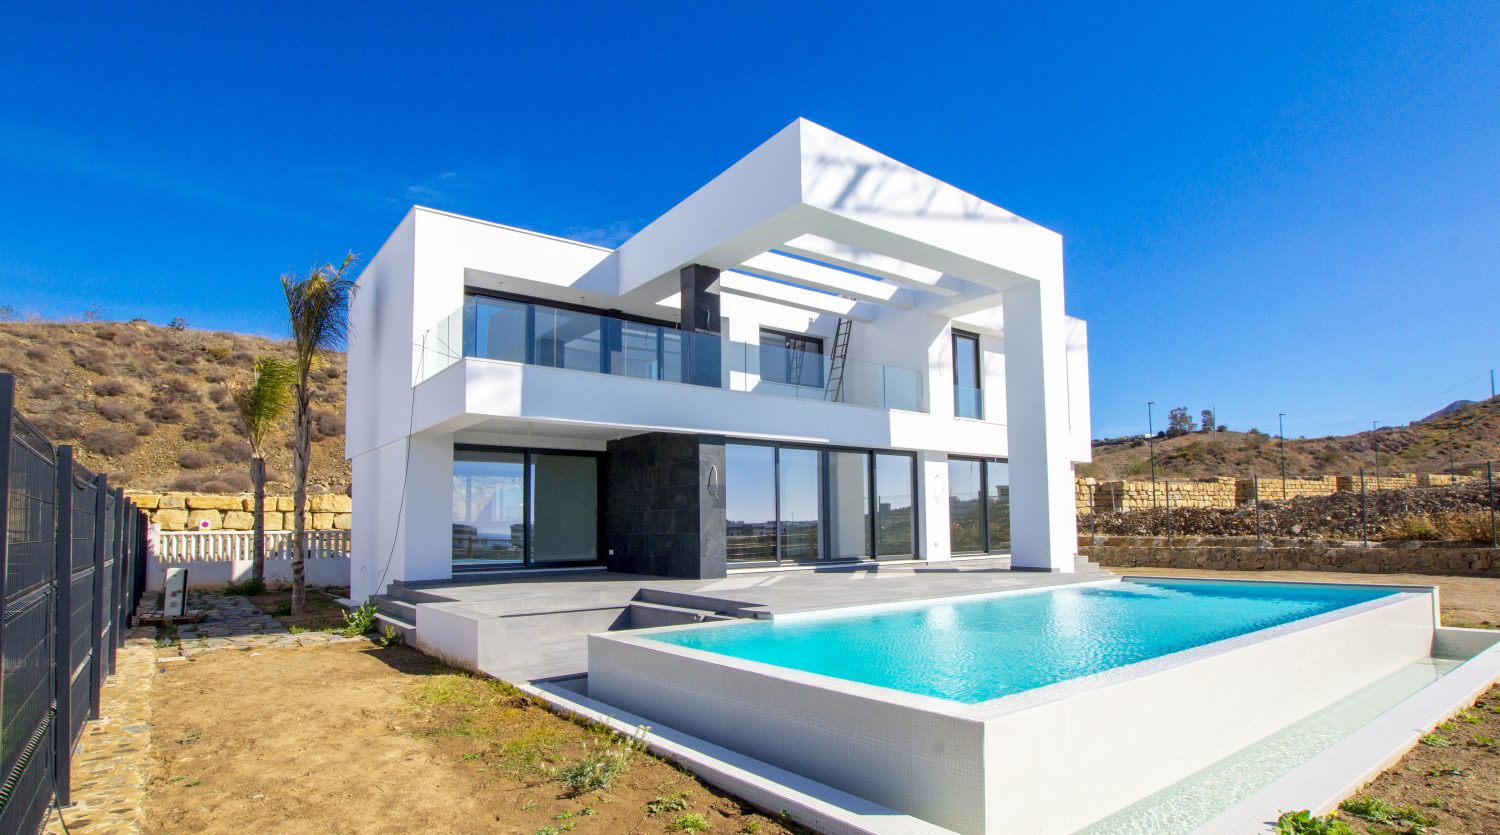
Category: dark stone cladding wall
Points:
column 664, row 517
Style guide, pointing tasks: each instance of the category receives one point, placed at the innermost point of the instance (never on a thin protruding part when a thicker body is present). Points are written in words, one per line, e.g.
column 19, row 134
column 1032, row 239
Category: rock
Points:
column 215, row 503
column 238, row 520
column 197, row 518
column 170, row 520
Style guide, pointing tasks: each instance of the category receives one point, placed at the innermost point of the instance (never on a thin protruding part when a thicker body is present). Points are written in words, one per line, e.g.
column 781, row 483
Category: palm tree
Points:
column 318, row 305
column 261, row 406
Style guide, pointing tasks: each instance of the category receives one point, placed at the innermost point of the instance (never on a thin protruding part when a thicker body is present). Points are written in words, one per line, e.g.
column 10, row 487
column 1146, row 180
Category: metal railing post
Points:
column 62, row 647
column 101, row 529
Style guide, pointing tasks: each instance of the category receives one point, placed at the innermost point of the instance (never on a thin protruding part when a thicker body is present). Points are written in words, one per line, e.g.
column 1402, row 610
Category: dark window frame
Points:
column 601, row 494
column 984, row 504
column 811, row 339
column 957, row 336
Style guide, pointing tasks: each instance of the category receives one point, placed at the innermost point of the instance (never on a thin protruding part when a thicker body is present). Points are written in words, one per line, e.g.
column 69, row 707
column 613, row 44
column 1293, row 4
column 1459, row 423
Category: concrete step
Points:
column 644, row 615
column 388, row 605
column 687, row 600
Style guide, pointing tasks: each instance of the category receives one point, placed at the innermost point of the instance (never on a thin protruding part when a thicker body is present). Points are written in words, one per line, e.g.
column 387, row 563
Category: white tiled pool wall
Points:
column 1051, row 760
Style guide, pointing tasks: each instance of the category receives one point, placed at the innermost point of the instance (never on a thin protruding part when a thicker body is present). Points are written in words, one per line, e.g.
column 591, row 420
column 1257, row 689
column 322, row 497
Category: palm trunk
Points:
column 258, row 478
column 301, row 452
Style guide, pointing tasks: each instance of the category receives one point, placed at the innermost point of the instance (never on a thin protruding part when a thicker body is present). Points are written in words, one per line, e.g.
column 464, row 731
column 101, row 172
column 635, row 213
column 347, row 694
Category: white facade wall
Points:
column 961, row 263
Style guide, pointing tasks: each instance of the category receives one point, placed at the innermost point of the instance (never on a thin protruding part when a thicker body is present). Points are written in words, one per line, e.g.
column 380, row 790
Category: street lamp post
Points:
column 1281, row 420
column 1151, row 439
column 1375, row 445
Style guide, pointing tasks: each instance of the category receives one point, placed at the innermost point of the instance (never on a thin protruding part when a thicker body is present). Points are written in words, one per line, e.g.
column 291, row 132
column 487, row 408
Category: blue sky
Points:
column 1279, row 208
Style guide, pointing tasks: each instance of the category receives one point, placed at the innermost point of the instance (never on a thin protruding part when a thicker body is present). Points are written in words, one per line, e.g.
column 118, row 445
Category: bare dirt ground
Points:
column 1465, row 600
column 358, row 739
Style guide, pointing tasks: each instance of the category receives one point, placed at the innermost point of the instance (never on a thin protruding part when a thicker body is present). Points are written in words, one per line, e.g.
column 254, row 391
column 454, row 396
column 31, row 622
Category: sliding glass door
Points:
column 978, row 506
column 516, row 508
column 803, row 504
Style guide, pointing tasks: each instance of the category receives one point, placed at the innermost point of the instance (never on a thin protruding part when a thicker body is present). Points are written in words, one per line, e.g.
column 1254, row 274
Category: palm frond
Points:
column 265, row 401
column 318, row 308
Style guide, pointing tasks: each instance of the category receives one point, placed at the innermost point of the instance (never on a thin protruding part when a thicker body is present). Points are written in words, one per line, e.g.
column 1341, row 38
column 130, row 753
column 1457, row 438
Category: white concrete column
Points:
column 398, row 538
column 932, row 481
column 1044, row 533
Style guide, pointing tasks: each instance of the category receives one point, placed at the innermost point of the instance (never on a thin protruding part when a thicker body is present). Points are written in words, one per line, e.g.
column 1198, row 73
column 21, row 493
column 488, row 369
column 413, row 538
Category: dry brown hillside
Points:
column 152, row 405
column 1471, row 434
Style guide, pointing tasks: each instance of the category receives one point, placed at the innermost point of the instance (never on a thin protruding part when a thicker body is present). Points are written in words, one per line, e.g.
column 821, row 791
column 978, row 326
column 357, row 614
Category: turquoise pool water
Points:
column 976, row 650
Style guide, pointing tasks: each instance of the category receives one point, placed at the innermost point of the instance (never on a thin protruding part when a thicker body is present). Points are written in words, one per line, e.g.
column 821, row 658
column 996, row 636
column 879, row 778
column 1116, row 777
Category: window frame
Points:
column 819, row 341
column 956, row 336
column 601, row 494
column 984, row 505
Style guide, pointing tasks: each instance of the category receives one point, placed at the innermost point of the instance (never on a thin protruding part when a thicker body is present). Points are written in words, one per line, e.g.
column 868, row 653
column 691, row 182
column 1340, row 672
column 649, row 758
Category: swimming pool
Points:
column 980, row 649
column 1039, row 711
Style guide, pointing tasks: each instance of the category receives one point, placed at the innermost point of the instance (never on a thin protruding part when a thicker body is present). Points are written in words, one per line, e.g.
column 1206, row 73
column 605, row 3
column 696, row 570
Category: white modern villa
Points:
column 821, row 355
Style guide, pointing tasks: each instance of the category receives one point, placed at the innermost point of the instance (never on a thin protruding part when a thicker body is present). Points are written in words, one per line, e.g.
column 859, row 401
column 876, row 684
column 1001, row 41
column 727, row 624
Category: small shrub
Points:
column 326, row 424
column 1437, row 740
column 177, row 324
column 282, row 608
column 200, row 428
column 48, row 390
column 144, row 427
column 603, row 764
column 1305, row 823
column 61, row 425
column 677, row 803
column 244, row 358
column 109, row 388
column 691, row 822
column 218, row 353
column 115, row 409
column 390, row 636
column 359, row 620
column 111, row 441
column 180, row 386
column 37, row 354
column 218, row 394
column 232, row 451
column 164, row 412
column 194, row 459
column 95, row 361
column 249, row 588
column 215, row 376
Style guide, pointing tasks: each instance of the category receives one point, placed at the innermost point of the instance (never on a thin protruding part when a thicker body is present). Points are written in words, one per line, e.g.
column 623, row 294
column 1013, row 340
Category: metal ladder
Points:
column 835, row 387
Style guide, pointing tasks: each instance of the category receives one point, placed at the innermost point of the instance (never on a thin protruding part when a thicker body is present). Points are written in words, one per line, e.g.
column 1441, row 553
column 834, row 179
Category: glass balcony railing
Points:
column 968, row 402
column 535, row 334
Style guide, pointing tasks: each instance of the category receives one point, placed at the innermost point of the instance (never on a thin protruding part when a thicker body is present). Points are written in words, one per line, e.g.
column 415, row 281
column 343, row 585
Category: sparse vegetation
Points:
column 608, row 758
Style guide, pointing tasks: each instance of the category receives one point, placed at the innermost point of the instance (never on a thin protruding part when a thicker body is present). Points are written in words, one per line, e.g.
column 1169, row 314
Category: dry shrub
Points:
column 201, row 429
column 218, row 353
column 185, row 359
column 326, row 424
column 95, row 361
column 195, row 459
column 181, row 386
column 218, row 394
column 61, row 425
column 109, row 388
column 232, row 451
column 38, row 354
column 244, row 358
column 164, row 412
column 1447, row 526
column 116, row 410
column 144, row 427
column 215, row 376
column 49, row 390
column 111, row 440
column 225, row 482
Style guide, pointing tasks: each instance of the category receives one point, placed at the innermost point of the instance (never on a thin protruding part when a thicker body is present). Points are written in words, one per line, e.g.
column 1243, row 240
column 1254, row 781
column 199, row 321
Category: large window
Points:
column 793, row 359
column 801, row 504
column 968, row 376
column 978, row 506
column 514, row 507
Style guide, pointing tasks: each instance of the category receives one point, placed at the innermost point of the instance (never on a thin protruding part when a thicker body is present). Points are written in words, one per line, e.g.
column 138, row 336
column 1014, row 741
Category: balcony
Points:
column 554, row 337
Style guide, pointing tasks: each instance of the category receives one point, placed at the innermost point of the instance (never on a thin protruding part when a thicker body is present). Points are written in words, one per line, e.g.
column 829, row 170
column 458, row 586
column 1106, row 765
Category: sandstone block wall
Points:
column 1230, row 555
column 201, row 511
column 1272, row 488
column 1094, row 496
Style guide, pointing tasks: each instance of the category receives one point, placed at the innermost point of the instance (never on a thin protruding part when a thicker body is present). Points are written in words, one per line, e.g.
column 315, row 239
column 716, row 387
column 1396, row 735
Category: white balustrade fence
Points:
column 227, row 546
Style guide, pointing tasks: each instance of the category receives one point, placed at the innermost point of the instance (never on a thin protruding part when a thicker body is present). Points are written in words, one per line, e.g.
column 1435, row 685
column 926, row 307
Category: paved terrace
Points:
column 536, row 626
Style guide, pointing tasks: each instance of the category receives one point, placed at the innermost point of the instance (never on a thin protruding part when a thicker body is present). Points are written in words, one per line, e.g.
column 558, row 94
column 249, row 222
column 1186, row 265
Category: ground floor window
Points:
column 522, row 507
column 804, row 504
column 978, row 506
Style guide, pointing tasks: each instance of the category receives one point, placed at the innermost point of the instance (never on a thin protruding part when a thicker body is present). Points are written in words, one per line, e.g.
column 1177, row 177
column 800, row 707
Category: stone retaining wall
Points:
column 1236, row 554
column 204, row 511
column 1228, row 492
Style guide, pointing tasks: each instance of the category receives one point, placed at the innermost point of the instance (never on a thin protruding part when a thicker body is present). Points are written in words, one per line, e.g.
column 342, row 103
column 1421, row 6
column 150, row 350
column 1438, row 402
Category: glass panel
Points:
column 966, row 377
column 849, row 502
column 489, row 509
column 894, row 518
column 792, row 360
column 499, row 330
column 578, row 341
column 997, row 505
column 750, row 502
column 801, row 504
column 965, row 507
column 639, row 352
column 564, row 508
column 671, row 356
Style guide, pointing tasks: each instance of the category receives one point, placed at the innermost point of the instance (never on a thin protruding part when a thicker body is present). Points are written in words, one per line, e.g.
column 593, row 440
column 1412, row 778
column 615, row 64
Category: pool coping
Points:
column 1026, row 699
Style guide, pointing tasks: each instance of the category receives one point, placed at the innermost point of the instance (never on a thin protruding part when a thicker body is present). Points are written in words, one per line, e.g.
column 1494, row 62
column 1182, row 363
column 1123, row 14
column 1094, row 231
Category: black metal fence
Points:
column 71, row 572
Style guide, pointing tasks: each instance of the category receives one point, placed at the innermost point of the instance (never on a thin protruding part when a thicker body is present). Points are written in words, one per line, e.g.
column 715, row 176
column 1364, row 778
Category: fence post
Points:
column 96, row 636
column 116, row 574
column 1489, row 477
column 7, row 421
column 1364, row 533
column 1168, row 483
column 1255, row 493
column 62, row 646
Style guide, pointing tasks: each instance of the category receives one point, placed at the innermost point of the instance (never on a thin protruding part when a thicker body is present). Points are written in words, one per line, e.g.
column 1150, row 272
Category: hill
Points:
column 152, row 406
column 1469, row 433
